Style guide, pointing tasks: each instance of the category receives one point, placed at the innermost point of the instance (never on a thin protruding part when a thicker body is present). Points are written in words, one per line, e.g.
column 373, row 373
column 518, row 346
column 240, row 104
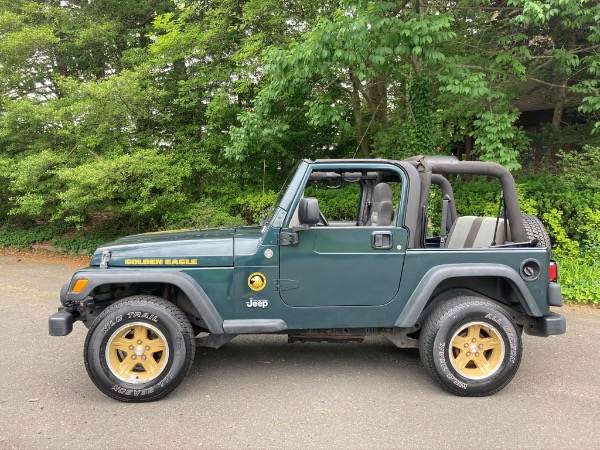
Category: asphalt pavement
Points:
column 260, row 392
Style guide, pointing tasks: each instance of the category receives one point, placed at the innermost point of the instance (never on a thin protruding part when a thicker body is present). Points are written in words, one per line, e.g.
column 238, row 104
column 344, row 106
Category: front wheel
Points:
column 139, row 349
column 470, row 346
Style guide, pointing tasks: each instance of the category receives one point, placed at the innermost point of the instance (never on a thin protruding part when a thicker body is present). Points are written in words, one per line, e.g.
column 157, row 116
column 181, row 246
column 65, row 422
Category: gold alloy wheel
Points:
column 137, row 352
column 476, row 350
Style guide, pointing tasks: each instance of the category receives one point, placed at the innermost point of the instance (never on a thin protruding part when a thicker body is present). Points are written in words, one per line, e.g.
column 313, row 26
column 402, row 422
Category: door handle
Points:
column 381, row 240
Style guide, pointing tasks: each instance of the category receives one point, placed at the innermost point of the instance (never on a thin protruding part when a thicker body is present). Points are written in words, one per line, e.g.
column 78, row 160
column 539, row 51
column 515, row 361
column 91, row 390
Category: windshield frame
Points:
column 272, row 214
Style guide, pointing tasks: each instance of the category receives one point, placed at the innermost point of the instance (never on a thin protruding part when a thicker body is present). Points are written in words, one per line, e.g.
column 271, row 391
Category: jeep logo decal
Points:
column 252, row 303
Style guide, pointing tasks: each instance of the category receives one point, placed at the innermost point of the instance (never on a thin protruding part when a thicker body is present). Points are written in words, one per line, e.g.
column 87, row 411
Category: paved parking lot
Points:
column 260, row 392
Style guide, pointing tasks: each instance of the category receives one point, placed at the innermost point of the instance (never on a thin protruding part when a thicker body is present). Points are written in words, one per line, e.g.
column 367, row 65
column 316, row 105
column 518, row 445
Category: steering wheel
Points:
column 323, row 219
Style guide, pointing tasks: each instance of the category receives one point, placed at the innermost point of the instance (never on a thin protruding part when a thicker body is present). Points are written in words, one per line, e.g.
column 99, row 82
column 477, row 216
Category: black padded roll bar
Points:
column 446, row 189
column 455, row 167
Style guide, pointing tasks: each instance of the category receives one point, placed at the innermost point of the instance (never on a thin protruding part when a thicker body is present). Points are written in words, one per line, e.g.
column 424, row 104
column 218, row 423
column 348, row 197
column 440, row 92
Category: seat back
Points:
column 382, row 207
column 474, row 232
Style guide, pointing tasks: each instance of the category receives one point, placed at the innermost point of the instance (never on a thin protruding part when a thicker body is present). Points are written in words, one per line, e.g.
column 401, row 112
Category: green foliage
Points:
column 581, row 170
column 579, row 280
column 202, row 214
column 498, row 140
column 562, row 245
column 338, row 75
column 587, row 233
column 420, row 124
column 336, row 204
column 62, row 236
column 141, row 185
column 26, row 237
column 570, row 204
column 81, row 243
column 253, row 204
column 395, row 142
column 31, row 181
column 576, row 60
column 478, row 197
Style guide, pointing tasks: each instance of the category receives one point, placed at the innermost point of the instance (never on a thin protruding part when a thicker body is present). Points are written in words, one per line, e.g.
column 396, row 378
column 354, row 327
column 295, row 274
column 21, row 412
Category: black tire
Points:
column 535, row 229
column 485, row 366
column 139, row 349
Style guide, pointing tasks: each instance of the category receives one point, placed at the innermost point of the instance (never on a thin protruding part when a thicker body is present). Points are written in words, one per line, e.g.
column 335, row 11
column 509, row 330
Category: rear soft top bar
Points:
column 455, row 167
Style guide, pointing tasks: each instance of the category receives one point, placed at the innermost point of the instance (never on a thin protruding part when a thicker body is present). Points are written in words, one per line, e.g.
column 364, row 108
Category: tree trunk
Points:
column 559, row 106
column 538, row 147
column 180, row 69
column 468, row 147
column 377, row 90
column 358, row 120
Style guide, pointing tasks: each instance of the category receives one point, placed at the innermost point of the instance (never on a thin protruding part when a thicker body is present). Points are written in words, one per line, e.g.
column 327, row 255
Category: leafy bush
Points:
column 61, row 235
column 253, row 204
column 336, row 204
column 561, row 243
column 581, row 169
column 202, row 214
column 143, row 185
column 26, row 237
column 32, row 183
column 579, row 280
column 475, row 197
column 85, row 243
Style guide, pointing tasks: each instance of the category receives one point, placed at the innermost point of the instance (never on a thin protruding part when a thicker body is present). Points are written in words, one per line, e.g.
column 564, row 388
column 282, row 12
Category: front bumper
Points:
column 60, row 323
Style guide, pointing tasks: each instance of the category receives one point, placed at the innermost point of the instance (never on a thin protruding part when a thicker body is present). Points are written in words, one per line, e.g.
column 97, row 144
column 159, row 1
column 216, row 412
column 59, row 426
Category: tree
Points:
column 222, row 97
column 409, row 75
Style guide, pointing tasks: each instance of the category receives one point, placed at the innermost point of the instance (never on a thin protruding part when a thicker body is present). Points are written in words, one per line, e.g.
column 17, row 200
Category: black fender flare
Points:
column 424, row 290
column 187, row 284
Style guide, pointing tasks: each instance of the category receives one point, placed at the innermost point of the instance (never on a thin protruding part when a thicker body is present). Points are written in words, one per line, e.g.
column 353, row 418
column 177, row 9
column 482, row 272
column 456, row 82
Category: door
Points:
column 347, row 266
column 343, row 266
column 355, row 254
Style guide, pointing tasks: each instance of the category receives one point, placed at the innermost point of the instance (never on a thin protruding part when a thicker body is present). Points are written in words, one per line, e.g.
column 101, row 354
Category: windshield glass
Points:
column 270, row 211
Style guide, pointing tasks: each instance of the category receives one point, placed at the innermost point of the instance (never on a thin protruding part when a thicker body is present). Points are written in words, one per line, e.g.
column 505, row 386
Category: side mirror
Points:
column 308, row 211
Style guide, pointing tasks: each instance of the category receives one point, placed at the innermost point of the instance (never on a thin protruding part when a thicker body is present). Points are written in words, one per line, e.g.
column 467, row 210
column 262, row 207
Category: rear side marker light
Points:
column 79, row 285
column 553, row 271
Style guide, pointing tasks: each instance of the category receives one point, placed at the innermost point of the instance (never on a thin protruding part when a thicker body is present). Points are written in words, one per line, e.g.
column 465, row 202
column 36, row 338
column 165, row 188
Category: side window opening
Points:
column 338, row 201
column 355, row 198
column 476, row 220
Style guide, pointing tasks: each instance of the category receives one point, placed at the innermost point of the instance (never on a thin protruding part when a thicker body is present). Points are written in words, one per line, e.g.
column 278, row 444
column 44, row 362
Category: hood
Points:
column 183, row 248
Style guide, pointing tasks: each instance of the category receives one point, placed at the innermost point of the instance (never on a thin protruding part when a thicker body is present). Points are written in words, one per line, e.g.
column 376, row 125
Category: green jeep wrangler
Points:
column 462, row 295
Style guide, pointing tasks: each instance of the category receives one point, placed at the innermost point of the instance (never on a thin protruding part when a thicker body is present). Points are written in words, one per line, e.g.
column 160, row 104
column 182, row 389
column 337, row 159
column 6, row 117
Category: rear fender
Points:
column 435, row 276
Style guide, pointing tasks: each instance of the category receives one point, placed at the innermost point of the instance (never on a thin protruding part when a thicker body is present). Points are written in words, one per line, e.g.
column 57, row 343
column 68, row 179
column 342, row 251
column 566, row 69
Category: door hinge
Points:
column 288, row 238
column 286, row 285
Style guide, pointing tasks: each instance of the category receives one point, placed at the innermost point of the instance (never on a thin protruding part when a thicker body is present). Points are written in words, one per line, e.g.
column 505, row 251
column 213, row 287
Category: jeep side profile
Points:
column 350, row 249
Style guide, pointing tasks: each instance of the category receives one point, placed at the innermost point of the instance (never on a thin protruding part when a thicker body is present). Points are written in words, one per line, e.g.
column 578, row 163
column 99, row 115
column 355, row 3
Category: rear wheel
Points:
column 139, row 349
column 470, row 346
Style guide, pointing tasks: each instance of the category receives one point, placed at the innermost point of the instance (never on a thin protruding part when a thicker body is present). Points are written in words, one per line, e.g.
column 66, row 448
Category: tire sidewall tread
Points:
column 534, row 228
column 441, row 325
column 169, row 319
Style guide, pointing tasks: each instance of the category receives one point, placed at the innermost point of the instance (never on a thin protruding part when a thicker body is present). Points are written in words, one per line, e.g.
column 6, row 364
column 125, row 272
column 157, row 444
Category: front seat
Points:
column 382, row 207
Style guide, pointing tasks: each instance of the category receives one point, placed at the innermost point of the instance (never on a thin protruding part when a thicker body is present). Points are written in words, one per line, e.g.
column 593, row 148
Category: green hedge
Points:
column 567, row 203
